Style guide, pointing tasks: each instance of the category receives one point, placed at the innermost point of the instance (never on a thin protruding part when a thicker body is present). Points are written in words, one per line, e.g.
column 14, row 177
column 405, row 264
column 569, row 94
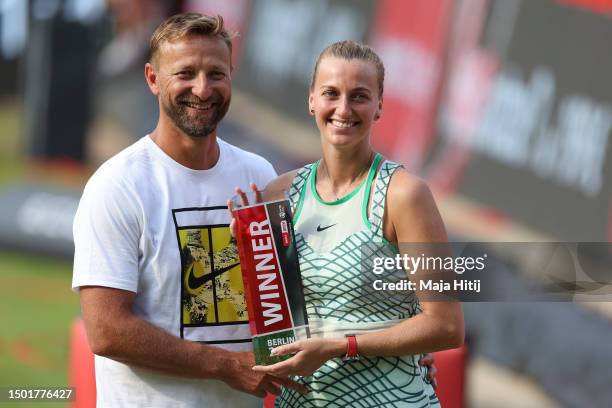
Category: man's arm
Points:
column 115, row 332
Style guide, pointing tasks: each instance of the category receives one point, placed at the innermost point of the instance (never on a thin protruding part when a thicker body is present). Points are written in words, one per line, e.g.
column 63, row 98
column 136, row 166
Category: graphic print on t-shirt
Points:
column 212, row 291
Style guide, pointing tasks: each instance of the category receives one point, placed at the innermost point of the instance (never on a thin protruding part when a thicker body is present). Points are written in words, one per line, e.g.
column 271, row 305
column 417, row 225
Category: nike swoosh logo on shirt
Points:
column 194, row 282
column 319, row 228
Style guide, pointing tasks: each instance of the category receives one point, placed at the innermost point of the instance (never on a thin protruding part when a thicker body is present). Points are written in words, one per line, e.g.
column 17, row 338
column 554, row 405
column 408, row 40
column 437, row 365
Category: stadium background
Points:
column 503, row 106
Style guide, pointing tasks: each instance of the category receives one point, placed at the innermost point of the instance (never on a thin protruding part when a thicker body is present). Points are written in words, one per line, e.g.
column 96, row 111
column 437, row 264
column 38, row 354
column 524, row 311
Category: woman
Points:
column 352, row 202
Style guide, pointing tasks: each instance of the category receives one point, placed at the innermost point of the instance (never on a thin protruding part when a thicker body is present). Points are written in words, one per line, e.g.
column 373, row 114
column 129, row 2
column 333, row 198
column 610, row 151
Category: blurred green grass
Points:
column 36, row 303
column 36, row 307
column 11, row 141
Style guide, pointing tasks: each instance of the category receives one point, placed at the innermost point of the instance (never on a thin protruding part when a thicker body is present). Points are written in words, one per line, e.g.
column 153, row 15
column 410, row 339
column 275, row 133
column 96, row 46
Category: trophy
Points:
column 271, row 276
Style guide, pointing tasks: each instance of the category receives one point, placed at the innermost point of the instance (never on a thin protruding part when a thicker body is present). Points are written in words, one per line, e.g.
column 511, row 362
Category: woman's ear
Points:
column 311, row 104
column 378, row 111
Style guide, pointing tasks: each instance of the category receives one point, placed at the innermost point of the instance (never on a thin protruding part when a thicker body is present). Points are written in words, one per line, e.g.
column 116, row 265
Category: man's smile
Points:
column 198, row 106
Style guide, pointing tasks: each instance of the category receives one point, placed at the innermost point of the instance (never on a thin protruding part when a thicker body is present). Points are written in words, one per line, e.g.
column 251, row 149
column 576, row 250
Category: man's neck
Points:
column 194, row 153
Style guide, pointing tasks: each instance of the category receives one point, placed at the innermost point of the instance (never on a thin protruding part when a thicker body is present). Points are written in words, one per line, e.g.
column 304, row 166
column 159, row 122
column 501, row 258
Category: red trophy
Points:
column 271, row 275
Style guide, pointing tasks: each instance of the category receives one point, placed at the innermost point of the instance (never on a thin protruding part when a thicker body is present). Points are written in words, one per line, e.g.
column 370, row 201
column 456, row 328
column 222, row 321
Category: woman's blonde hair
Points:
column 349, row 50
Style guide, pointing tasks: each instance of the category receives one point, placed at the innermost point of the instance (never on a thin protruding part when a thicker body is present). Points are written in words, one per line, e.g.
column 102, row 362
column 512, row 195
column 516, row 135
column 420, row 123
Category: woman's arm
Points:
column 281, row 183
column 412, row 220
column 411, row 217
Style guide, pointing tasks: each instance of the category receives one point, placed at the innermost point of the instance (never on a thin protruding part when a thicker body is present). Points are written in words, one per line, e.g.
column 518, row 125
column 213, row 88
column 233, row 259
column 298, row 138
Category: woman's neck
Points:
column 340, row 172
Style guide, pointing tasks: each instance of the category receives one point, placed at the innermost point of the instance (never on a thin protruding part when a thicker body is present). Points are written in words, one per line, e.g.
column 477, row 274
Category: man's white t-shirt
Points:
column 149, row 225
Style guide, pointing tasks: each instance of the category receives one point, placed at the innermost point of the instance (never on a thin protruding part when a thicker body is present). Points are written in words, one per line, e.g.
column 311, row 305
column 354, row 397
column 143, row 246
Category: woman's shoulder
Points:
column 412, row 208
column 408, row 191
column 282, row 182
column 286, row 180
column 406, row 185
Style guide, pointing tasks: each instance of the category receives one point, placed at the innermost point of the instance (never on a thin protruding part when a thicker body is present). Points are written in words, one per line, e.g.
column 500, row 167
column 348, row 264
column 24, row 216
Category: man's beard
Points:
column 199, row 126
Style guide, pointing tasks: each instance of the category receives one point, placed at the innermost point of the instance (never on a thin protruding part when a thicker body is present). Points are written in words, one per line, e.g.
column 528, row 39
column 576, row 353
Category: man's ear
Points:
column 151, row 77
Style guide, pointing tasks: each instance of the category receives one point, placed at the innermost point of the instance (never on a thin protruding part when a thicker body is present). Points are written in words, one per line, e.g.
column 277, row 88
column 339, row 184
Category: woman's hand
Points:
column 310, row 354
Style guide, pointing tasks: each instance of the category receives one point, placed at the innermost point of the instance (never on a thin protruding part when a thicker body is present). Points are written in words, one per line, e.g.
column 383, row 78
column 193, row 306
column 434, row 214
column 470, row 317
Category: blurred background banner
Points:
column 41, row 219
column 503, row 106
column 283, row 40
column 236, row 14
column 412, row 42
column 526, row 115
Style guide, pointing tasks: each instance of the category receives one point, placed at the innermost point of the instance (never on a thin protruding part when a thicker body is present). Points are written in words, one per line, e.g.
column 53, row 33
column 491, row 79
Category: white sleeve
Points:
column 106, row 237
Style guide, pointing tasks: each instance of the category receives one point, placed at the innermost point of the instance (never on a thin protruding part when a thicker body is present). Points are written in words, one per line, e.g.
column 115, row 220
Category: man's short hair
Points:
column 182, row 25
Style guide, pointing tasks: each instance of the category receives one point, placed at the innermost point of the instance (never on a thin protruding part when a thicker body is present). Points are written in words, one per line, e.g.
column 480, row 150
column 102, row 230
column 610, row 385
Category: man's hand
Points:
column 115, row 332
column 243, row 202
column 428, row 361
column 241, row 377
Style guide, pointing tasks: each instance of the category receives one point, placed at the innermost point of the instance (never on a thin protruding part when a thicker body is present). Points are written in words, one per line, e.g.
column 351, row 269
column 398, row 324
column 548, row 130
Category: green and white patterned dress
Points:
column 337, row 242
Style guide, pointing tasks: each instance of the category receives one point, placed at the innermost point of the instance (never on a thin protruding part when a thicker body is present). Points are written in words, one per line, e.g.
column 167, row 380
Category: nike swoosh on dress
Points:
column 319, row 228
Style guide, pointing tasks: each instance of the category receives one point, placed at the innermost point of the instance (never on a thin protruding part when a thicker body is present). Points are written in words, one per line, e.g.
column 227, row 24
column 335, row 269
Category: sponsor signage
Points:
column 526, row 122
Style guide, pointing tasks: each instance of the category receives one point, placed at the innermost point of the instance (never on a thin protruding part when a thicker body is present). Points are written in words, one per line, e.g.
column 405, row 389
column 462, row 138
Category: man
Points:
column 155, row 265
column 156, row 268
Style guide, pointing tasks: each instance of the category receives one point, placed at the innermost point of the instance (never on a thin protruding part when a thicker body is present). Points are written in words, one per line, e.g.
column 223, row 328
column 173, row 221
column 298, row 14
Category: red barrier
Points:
column 269, row 401
column 82, row 374
column 451, row 366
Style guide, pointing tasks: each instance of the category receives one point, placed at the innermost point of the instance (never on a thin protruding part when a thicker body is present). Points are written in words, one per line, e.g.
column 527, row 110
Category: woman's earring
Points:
column 312, row 111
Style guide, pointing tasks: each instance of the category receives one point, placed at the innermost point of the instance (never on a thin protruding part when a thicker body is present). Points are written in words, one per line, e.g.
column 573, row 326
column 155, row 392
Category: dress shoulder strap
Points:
column 381, row 185
column 297, row 189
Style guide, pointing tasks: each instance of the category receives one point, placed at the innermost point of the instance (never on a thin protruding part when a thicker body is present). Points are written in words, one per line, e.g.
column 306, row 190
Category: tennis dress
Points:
column 337, row 242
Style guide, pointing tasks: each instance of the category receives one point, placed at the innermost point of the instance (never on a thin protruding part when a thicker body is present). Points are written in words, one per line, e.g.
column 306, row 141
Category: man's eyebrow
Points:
column 182, row 67
column 217, row 67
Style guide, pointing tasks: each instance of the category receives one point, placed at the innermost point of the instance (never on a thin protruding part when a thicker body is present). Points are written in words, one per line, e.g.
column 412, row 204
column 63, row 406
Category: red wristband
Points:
column 351, row 348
